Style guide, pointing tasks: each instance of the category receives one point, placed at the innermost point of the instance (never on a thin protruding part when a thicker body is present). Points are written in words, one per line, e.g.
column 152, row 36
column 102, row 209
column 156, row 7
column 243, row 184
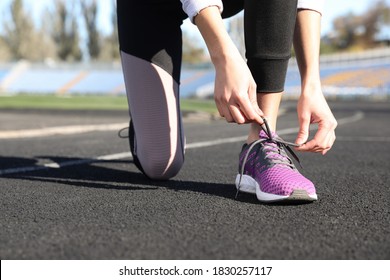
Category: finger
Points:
column 325, row 138
column 325, row 151
column 222, row 107
column 249, row 111
column 226, row 113
column 318, row 146
column 311, row 146
column 237, row 115
column 321, row 137
column 220, row 113
column 307, row 147
column 303, row 133
column 219, row 106
column 252, row 93
column 331, row 141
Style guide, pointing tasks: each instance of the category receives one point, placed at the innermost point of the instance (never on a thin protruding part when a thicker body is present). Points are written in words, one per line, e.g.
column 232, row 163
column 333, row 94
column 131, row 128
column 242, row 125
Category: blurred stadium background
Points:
column 69, row 190
column 66, row 50
column 357, row 74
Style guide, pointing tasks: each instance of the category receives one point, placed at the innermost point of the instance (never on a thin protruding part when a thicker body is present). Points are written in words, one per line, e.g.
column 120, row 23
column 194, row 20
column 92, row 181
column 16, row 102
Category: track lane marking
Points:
column 363, row 139
column 356, row 117
column 60, row 130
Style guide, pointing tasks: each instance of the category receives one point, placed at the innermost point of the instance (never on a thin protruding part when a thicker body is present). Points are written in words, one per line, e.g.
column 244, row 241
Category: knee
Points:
column 162, row 168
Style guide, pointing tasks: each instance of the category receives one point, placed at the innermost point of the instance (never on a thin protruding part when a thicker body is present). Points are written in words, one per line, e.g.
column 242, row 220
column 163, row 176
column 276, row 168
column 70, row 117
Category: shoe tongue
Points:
column 274, row 153
column 264, row 135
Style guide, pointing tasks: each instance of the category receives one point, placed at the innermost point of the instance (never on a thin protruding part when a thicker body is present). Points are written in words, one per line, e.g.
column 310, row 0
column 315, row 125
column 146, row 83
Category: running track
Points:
column 78, row 196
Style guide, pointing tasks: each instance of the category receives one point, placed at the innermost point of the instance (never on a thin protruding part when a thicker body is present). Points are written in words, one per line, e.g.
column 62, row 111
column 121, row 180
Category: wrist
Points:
column 223, row 55
column 311, row 87
column 310, row 78
column 218, row 41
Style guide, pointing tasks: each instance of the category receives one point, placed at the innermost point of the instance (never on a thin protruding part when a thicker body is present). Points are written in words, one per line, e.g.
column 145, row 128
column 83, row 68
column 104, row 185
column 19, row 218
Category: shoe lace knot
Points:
column 275, row 150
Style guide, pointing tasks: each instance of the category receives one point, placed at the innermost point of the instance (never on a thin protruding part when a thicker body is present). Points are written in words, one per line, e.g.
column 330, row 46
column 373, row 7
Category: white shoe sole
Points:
column 249, row 185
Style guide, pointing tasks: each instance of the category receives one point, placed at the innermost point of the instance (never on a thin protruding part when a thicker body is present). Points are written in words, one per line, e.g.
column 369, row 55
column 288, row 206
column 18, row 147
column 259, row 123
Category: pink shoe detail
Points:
column 267, row 170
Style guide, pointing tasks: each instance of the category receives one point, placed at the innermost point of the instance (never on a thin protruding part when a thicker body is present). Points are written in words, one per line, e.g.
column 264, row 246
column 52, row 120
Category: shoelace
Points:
column 120, row 133
column 280, row 145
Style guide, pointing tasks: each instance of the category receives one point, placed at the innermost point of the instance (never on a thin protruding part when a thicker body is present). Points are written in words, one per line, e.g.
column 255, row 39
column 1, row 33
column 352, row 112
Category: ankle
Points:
column 253, row 134
column 252, row 138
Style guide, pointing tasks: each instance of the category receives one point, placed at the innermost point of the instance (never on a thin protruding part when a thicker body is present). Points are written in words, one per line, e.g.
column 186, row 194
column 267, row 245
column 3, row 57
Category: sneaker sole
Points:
column 249, row 185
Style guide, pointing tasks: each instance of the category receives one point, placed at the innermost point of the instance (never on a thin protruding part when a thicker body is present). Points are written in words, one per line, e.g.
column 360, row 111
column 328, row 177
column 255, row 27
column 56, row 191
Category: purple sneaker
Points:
column 267, row 171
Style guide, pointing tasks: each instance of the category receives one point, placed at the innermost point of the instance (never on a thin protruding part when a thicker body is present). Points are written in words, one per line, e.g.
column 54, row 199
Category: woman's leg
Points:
column 269, row 29
column 269, row 104
column 264, row 166
column 150, row 44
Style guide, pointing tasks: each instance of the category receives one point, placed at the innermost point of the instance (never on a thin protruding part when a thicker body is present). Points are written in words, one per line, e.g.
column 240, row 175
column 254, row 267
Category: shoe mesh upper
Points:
column 273, row 170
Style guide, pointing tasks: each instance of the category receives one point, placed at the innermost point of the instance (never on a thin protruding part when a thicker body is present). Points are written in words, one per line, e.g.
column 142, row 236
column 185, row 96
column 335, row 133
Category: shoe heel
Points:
column 248, row 185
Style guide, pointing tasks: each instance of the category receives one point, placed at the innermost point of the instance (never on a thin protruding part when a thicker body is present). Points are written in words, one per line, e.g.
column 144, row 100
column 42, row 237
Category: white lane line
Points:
column 64, row 164
column 60, row 130
column 78, row 129
column 356, row 117
column 363, row 139
column 235, row 139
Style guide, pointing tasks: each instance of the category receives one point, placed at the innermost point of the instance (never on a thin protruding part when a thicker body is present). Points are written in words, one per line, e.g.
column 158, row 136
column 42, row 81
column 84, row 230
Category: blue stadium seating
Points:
column 3, row 73
column 41, row 81
column 370, row 76
column 100, row 82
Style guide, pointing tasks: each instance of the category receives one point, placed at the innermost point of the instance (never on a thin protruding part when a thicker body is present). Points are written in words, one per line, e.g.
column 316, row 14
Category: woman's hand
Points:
column 235, row 89
column 313, row 108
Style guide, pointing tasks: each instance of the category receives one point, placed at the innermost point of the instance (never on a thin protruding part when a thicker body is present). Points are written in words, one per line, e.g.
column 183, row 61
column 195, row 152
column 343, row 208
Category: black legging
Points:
column 151, row 50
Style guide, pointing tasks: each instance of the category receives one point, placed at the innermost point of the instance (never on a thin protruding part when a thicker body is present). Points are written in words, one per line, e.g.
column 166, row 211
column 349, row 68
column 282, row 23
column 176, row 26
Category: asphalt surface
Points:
column 108, row 210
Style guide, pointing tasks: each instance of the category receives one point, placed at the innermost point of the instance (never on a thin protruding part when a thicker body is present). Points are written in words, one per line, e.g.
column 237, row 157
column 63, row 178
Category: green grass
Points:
column 198, row 105
column 94, row 102
column 26, row 101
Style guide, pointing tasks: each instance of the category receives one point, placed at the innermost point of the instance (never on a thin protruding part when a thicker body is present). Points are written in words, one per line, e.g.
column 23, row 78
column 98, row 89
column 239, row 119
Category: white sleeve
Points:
column 193, row 7
column 316, row 5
